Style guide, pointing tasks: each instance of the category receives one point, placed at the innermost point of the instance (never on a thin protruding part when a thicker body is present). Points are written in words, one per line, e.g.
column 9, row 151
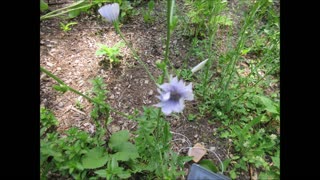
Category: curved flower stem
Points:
column 79, row 93
column 116, row 26
column 65, row 10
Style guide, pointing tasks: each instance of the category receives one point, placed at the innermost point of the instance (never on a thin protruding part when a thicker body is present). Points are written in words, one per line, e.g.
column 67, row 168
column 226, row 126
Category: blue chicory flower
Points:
column 173, row 94
column 110, row 11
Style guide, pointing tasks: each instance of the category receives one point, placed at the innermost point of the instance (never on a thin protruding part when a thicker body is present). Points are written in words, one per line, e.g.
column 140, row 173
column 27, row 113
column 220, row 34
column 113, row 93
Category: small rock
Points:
column 212, row 148
column 114, row 129
column 90, row 128
column 118, row 92
column 111, row 97
column 146, row 81
column 60, row 104
column 80, row 98
column 150, row 93
column 58, row 68
column 196, row 135
column 49, row 64
column 174, row 123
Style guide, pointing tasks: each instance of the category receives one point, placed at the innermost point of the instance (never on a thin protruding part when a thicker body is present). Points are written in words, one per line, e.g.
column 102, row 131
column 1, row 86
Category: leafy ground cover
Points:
column 119, row 134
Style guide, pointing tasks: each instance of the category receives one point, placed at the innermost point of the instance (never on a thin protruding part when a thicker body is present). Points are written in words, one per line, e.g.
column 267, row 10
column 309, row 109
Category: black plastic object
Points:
column 198, row 172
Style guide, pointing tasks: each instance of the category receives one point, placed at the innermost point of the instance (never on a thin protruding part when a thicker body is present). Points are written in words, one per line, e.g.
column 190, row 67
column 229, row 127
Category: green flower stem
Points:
column 165, row 70
column 55, row 12
column 169, row 26
column 79, row 93
column 116, row 26
column 170, row 4
column 166, row 56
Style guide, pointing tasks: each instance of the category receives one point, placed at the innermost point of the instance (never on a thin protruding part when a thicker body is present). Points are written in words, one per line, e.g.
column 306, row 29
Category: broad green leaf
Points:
column 250, row 125
column 126, row 151
column 71, row 170
column 101, row 173
column 43, row 6
column 225, row 134
column 121, row 156
column 245, row 51
column 100, row 52
column 267, row 176
column 269, row 104
column 74, row 13
column 208, row 164
column 118, row 138
column 124, row 175
column 160, row 64
column 151, row 4
column 233, row 174
column 276, row 161
column 76, row 10
column 79, row 166
column 224, row 20
column 114, row 164
column 95, row 158
column 226, row 164
column 235, row 157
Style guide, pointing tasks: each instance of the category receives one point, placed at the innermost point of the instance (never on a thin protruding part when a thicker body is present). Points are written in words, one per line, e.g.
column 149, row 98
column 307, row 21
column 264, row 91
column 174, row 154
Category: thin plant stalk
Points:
column 116, row 26
column 170, row 4
column 231, row 66
column 57, row 13
column 81, row 94
column 216, row 9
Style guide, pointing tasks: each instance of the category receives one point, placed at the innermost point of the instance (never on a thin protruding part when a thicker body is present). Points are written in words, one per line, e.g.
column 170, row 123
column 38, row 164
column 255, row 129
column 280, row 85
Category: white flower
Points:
column 273, row 136
column 110, row 11
column 199, row 66
column 246, row 144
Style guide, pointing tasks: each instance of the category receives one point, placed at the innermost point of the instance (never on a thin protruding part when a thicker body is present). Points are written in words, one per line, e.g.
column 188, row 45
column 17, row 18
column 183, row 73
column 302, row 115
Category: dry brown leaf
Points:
column 197, row 152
